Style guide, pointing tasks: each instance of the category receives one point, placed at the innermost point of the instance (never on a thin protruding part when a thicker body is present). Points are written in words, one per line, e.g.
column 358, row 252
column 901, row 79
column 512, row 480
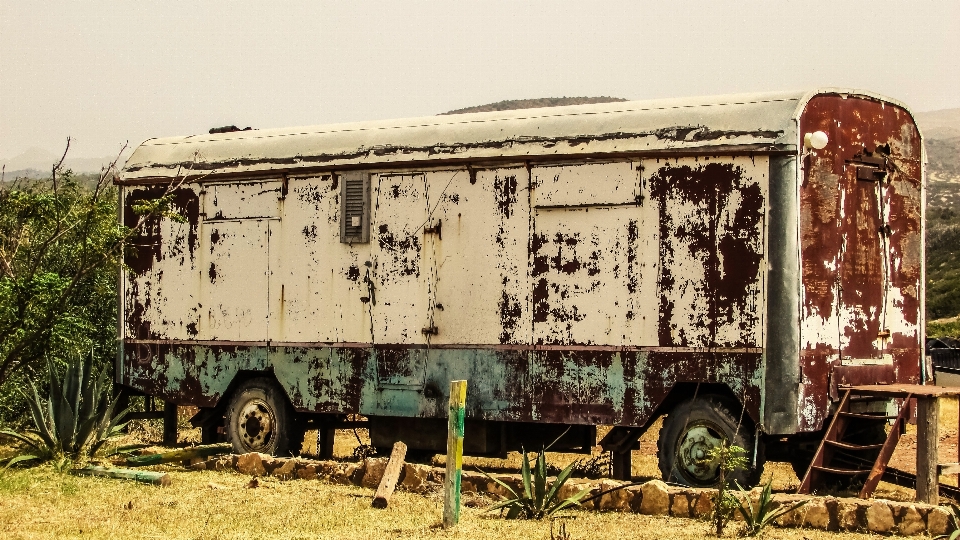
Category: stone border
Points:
column 652, row 498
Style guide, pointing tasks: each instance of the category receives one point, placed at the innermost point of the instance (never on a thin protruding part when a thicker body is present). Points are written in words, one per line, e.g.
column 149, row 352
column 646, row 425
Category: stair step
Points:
column 866, row 416
column 854, row 447
column 847, row 472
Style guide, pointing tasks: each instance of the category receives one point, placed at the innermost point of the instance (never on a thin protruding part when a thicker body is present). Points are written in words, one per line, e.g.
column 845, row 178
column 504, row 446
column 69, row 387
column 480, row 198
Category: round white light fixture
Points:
column 816, row 140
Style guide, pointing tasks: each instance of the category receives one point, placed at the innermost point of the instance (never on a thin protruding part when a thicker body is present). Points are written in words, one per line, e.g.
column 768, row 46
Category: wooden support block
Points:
column 621, row 464
column 928, row 409
column 949, row 468
column 390, row 476
column 169, row 424
column 146, row 477
column 451, row 482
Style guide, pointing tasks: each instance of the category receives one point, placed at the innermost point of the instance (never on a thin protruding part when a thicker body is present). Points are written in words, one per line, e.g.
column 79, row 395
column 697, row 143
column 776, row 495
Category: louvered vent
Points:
column 354, row 207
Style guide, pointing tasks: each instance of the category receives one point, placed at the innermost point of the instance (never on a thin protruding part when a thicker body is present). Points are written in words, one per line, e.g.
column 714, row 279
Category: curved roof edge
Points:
column 748, row 121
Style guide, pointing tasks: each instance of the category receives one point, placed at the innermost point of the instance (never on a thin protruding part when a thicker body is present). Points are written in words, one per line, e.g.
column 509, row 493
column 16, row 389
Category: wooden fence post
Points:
column 451, row 482
column 928, row 409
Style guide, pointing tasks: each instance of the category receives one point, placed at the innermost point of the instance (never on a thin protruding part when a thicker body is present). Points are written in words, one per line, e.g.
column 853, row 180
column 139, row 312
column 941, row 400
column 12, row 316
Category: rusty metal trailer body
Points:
column 582, row 265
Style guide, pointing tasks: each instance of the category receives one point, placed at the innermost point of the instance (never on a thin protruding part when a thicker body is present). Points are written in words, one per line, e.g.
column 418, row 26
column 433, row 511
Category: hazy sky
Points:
column 109, row 72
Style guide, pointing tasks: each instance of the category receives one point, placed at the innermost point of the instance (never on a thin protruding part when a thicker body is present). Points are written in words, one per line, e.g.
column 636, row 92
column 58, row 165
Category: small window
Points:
column 354, row 207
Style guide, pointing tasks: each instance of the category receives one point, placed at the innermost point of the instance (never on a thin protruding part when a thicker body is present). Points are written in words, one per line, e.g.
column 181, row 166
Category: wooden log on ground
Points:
column 146, row 477
column 180, row 455
column 390, row 476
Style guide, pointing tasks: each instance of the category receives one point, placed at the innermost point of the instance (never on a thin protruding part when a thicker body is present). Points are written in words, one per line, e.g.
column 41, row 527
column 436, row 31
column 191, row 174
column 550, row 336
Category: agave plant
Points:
column 536, row 501
column 76, row 419
column 758, row 517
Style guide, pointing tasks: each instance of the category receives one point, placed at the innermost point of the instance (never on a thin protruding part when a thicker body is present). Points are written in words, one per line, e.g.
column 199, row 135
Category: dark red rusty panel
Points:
column 860, row 244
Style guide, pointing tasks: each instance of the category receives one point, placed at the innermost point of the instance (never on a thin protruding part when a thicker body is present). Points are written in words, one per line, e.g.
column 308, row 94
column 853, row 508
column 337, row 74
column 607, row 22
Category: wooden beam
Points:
column 390, row 476
column 146, row 477
column 180, row 455
column 451, row 482
column 928, row 409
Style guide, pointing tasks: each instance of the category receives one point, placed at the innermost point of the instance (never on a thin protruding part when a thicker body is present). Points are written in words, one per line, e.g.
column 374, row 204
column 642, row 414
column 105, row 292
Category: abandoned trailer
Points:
column 729, row 262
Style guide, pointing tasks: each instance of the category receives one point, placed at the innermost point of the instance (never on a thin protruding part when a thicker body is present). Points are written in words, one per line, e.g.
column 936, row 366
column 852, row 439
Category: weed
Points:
column 729, row 458
column 536, row 501
column 758, row 517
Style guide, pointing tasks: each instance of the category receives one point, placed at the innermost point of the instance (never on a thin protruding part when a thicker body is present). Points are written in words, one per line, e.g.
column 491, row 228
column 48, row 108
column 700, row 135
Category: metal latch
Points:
column 430, row 331
column 436, row 229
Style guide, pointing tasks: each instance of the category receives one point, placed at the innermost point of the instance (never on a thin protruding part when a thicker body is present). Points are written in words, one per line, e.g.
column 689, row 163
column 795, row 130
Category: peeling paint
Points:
column 576, row 291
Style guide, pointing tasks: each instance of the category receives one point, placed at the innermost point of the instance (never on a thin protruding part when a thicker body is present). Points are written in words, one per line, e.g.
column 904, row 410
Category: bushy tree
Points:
column 61, row 249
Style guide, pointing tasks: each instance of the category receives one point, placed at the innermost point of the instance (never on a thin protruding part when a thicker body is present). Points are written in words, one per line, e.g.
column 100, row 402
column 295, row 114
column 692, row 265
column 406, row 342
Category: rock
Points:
column 938, row 522
column 879, row 517
column 616, row 500
column 343, row 473
column 656, row 498
column 286, row 471
column 252, row 464
column 816, row 514
column 414, row 476
column 271, row 463
column 198, row 465
column 848, row 516
column 373, row 469
column 308, row 472
column 911, row 522
column 571, row 488
column 680, row 504
column 703, row 506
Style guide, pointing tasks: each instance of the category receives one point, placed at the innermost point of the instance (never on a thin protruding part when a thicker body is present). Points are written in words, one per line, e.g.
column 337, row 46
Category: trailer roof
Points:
column 756, row 122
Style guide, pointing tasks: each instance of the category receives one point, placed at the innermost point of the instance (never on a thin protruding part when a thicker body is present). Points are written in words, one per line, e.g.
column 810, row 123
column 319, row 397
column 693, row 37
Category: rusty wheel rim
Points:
column 257, row 424
column 692, row 450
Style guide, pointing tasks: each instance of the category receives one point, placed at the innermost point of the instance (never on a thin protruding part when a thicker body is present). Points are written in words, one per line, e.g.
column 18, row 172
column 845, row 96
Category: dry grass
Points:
column 40, row 503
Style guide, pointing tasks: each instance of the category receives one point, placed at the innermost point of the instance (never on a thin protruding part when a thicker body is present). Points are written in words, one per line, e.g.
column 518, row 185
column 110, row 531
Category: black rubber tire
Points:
column 716, row 419
column 260, row 419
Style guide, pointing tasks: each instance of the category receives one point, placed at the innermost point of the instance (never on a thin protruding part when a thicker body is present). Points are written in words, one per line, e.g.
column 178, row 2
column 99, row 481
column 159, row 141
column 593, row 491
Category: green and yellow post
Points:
column 451, row 483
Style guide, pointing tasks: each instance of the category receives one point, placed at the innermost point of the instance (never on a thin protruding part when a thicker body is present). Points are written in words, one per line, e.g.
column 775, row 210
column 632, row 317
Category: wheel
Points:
column 259, row 418
column 691, row 430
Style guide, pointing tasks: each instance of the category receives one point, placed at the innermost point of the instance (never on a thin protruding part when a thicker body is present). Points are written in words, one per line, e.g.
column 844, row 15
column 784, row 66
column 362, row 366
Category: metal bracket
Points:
column 437, row 229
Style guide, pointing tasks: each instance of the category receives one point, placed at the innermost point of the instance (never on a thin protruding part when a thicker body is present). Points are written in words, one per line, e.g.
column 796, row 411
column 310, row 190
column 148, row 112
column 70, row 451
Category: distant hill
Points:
column 37, row 162
column 512, row 104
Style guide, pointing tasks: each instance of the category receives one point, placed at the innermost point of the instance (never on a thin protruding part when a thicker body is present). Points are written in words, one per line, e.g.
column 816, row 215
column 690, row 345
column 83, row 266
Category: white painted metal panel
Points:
column 711, row 232
column 234, row 284
column 320, row 280
column 167, row 296
column 585, row 184
column 242, row 200
column 482, row 287
column 399, row 216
